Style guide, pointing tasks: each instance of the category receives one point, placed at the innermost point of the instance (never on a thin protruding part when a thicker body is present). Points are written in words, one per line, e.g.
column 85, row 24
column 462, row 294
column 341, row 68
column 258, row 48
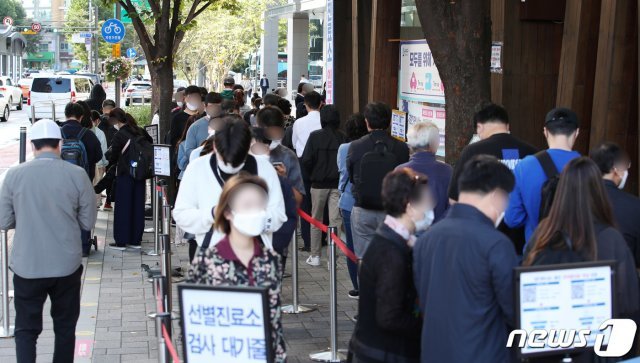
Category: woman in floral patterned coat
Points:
column 240, row 259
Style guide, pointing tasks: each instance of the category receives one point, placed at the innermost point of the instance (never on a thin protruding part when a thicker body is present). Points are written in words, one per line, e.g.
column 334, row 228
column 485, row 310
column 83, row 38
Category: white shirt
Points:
column 302, row 128
column 200, row 191
column 103, row 146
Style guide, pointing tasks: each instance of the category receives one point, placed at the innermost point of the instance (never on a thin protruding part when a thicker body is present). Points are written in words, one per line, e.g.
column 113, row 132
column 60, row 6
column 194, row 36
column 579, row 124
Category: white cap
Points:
column 45, row 129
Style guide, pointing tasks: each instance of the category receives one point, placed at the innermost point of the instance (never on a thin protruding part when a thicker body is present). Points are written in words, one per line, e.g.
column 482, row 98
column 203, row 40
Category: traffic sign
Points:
column 36, row 27
column 113, row 31
column 131, row 53
column 85, row 35
column 7, row 21
column 115, row 50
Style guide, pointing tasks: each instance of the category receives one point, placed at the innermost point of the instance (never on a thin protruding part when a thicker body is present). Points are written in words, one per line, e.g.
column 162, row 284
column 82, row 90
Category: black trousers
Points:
column 30, row 295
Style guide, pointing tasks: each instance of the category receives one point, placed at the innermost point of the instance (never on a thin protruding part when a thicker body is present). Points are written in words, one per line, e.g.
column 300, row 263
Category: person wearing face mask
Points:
column 424, row 140
column 388, row 326
column 463, row 270
column 561, row 131
column 206, row 125
column 193, row 102
column 319, row 162
column 614, row 165
column 580, row 227
column 239, row 258
column 283, row 159
column 205, row 177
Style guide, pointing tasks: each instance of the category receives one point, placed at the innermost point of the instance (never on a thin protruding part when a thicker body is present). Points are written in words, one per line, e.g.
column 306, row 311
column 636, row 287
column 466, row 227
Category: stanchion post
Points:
column 332, row 354
column 165, row 269
column 53, row 110
column 33, row 114
column 163, row 319
column 295, row 307
column 156, row 218
column 7, row 330
column 166, row 207
column 158, row 284
column 23, row 144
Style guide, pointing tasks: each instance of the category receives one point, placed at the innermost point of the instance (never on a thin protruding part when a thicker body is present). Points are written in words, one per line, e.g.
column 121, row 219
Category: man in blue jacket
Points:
column 464, row 268
column 561, row 132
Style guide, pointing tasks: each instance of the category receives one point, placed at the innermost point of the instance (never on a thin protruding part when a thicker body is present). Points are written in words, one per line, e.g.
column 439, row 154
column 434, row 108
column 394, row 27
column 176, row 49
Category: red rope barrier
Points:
column 341, row 245
column 167, row 339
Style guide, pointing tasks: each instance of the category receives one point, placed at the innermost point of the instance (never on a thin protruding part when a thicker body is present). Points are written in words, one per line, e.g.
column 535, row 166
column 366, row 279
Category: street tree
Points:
column 459, row 35
column 220, row 40
column 161, row 27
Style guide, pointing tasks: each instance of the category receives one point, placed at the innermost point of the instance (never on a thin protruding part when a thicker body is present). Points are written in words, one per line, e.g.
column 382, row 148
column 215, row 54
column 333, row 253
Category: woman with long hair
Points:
column 128, row 219
column 580, row 227
column 240, row 258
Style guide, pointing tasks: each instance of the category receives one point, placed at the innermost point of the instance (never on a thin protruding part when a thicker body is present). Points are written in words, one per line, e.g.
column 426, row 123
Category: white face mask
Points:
column 250, row 223
column 499, row 220
column 192, row 107
column 426, row 221
column 228, row 168
column 274, row 144
column 180, row 103
column 624, row 179
column 116, row 126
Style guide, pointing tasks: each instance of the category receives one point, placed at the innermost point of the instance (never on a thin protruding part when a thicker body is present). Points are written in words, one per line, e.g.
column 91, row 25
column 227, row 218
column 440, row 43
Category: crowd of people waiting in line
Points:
column 436, row 245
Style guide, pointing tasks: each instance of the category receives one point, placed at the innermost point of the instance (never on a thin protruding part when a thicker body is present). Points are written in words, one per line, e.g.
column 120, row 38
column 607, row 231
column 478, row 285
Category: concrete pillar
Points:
column 297, row 50
column 269, row 53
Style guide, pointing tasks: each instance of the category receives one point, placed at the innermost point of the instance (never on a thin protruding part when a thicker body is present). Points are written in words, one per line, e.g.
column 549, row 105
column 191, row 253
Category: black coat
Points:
column 388, row 327
column 626, row 210
column 320, row 158
column 120, row 139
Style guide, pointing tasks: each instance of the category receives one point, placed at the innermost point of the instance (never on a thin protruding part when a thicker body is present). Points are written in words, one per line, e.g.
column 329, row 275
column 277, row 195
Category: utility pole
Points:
column 96, row 52
column 117, row 87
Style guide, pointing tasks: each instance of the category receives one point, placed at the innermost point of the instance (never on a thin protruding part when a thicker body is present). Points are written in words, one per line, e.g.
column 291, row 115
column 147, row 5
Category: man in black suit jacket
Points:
column 264, row 84
column 614, row 163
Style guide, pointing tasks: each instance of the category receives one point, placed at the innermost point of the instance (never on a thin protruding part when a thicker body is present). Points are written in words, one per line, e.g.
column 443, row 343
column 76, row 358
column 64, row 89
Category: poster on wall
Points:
column 419, row 80
column 496, row 57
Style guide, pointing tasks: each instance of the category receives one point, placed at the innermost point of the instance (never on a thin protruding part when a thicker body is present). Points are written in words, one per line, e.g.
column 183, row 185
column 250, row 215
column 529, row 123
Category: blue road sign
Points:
column 131, row 53
column 113, row 31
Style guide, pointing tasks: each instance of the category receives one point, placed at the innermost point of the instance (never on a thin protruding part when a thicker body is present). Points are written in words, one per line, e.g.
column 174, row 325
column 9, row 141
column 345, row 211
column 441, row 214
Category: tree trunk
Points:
column 459, row 35
column 162, row 81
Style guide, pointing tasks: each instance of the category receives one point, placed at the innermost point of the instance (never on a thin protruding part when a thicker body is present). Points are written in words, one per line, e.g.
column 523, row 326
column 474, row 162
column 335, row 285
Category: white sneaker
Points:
column 313, row 261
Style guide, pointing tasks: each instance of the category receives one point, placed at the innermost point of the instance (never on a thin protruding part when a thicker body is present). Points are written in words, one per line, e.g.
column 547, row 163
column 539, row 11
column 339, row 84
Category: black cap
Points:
column 562, row 114
column 229, row 81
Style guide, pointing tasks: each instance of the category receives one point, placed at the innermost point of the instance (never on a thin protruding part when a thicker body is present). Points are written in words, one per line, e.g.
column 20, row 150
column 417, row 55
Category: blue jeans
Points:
column 352, row 266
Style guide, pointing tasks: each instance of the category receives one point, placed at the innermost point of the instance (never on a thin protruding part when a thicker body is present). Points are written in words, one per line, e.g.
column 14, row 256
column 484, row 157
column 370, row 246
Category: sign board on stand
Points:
column 399, row 125
column 225, row 324
column 162, row 160
column 330, row 57
column 568, row 296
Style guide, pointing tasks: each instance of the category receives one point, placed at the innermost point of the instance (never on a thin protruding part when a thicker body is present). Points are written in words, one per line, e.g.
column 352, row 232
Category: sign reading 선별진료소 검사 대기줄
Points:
column 161, row 160
column 225, row 324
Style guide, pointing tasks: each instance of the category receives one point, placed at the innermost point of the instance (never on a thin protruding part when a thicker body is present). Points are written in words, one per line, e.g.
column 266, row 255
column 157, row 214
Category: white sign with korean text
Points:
column 330, row 48
column 399, row 125
column 419, row 77
column 225, row 324
column 161, row 160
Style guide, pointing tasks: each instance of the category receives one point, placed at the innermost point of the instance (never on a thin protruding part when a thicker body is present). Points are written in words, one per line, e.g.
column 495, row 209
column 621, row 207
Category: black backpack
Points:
column 374, row 166
column 73, row 150
column 550, row 185
column 139, row 158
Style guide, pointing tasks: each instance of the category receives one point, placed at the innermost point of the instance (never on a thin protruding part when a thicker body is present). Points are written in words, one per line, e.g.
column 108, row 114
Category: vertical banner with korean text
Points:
column 329, row 59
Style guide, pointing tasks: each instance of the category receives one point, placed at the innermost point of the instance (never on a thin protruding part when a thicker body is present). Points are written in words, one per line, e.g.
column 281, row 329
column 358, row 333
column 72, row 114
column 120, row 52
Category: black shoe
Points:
column 286, row 275
column 354, row 294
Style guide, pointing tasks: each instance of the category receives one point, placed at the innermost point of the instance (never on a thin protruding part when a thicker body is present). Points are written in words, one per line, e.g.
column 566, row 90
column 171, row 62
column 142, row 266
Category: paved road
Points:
column 9, row 138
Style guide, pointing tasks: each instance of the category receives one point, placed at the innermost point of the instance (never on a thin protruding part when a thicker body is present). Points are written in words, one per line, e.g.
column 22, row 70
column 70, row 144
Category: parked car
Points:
column 51, row 94
column 25, row 86
column 5, row 108
column 11, row 91
column 138, row 93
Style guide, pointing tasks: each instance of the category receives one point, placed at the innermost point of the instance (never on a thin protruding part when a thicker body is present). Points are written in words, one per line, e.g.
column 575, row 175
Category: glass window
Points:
column 9, row 82
column 44, row 47
column 82, row 85
column 51, row 85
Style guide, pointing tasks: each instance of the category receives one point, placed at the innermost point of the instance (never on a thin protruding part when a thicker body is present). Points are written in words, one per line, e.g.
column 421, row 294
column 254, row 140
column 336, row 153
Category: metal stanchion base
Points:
column 326, row 356
column 8, row 334
column 152, row 253
column 149, row 230
column 152, row 315
column 288, row 309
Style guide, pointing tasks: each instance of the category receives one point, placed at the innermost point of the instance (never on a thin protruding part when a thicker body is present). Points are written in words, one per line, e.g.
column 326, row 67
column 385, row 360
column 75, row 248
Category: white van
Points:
column 50, row 94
